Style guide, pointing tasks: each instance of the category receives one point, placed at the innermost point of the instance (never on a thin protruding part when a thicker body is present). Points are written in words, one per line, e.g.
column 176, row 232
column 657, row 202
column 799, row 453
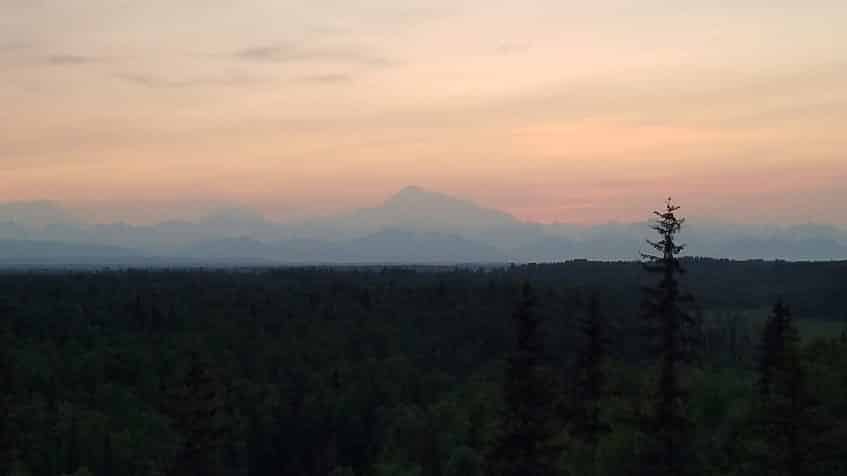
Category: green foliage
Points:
column 668, row 426
column 393, row 469
column 343, row 471
column 81, row 472
column 382, row 371
column 525, row 440
column 788, row 417
column 587, row 413
column 464, row 461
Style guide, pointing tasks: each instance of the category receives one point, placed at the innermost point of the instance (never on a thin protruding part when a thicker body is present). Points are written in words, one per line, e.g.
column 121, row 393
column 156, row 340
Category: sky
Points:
column 553, row 110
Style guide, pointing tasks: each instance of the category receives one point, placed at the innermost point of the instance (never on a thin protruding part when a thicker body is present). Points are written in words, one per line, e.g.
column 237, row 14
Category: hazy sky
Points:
column 551, row 109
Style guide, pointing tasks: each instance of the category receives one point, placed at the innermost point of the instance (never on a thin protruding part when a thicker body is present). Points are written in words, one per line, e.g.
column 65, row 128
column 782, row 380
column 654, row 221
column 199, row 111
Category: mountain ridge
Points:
column 413, row 225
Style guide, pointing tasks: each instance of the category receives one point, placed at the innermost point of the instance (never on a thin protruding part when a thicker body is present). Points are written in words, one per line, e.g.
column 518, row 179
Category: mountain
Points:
column 557, row 249
column 793, row 249
column 409, row 247
column 50, row 253
column 238, row 222
column 388, row 246
column 413, row 226
column 36, row 214
column 246, row 250
column 412, row 209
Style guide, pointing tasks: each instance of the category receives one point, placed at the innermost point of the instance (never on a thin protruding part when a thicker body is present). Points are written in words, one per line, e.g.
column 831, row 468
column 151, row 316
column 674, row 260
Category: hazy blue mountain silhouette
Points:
column 401, row 246
column 413, row 209
column 389, row 246
column 36, row 213
column 47, row 253
column 249, row 250
column 411, row 226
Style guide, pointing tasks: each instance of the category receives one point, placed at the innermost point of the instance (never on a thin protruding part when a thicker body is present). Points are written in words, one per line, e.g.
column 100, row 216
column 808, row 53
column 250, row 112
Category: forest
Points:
column 670, row 366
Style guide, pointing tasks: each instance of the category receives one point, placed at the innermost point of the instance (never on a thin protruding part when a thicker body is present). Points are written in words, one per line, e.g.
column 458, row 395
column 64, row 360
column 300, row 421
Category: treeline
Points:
column 784, row 427
column 577, row 368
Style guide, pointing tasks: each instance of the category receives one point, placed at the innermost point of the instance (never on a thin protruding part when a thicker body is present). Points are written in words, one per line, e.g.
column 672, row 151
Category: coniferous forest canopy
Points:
column 672, row 366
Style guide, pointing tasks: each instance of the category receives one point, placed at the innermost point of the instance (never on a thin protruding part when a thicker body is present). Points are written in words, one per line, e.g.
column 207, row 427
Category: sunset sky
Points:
column 553, row 110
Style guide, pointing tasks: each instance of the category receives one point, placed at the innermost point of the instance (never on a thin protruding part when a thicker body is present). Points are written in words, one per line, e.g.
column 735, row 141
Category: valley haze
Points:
column 413, row 226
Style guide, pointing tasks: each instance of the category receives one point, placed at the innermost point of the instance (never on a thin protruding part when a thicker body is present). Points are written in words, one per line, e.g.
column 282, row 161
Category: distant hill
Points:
column 47, row 253
column 399, row 246
column 37, row 213
column 412, row 226
column 389, row 246
column 413, row 209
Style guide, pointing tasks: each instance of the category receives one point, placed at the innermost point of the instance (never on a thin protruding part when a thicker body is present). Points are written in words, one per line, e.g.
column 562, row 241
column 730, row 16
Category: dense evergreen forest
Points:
column 578, row 368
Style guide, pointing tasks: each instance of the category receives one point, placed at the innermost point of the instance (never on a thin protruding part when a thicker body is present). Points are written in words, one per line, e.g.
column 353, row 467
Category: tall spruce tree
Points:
column 198, row 409
column 777, row 351
column 6, row 443
column 668, row 428
column 588, row 423
column 7, row 450
column 784, row 419
column 524, row 445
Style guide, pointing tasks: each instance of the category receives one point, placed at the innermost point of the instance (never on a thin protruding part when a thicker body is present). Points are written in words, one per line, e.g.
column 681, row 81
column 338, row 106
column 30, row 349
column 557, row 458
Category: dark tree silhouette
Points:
column 590, row 391
column 7, row 443
column 72, row 456
column 263, row 385
column 785, row 421
column 107, row 466
column 777, row 350
column 668, row 429
column 139, row 314
column 524, row 444
column 198, row 407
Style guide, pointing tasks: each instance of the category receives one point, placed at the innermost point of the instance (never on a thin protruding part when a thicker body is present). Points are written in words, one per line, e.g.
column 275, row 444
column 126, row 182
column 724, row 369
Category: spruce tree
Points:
column 784, row 418
column 777, row 350
column 590, row 390
column 139, row 314
column 523, row 446
column 6, row 443
column 198, row 409
column 668, row 429
column 7, row 450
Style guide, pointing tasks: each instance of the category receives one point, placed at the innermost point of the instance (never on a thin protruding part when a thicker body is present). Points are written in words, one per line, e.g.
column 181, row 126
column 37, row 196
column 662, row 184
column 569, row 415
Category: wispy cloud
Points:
column 511, row 48
column 325, row 79
column 293, row 52
column 160, row 82
column 328, row 31
column 13, row 47
column 71, row 60
column 402, row 16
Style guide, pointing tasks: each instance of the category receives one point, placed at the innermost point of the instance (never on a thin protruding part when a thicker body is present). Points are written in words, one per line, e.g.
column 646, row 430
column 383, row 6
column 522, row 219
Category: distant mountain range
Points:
column 414, row 226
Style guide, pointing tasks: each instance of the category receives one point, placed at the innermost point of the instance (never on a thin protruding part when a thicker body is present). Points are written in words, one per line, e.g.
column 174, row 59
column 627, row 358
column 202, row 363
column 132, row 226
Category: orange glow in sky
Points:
column 552, row 110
